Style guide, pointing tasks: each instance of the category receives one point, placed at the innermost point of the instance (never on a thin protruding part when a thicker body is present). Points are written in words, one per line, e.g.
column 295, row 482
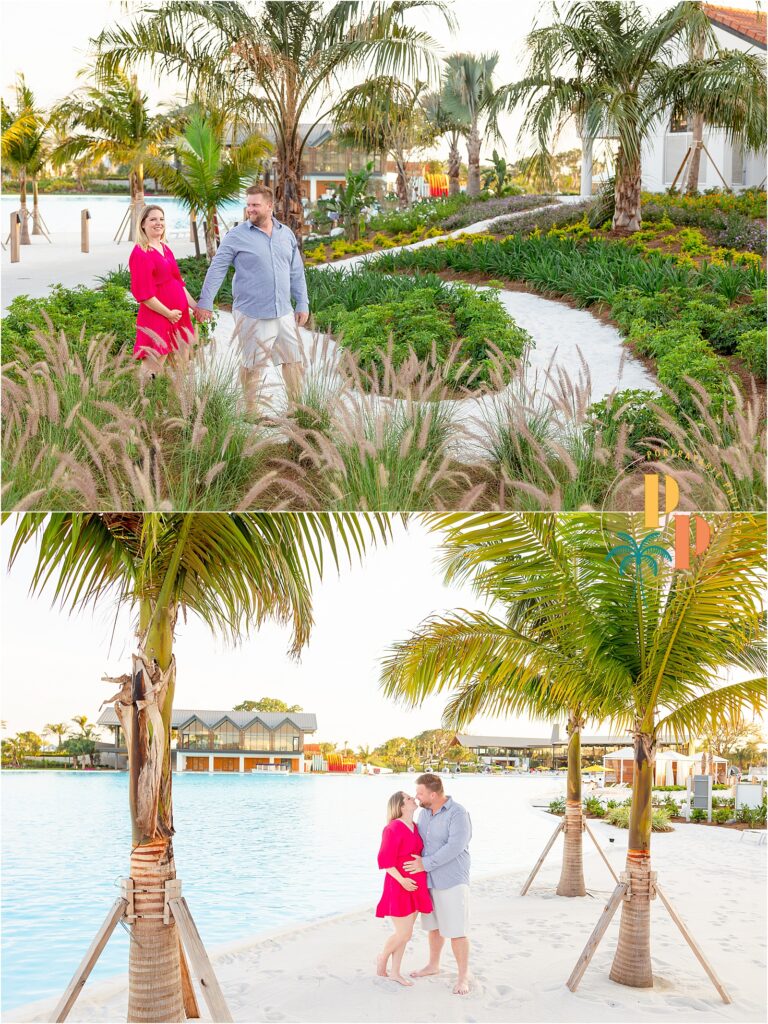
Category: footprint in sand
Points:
column 270, row 1013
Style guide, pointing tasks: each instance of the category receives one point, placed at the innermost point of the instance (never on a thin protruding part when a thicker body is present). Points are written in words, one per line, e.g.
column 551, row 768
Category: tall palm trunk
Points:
column 632, row 961
column 210, row 233
column 694, row 165
column 288, row 190
column 37, row 227
column 628, row 176
column 24, row 238
column 154, row 971
column 572, row 874
column 473, row 160
column 136, row 179
column 454, row 166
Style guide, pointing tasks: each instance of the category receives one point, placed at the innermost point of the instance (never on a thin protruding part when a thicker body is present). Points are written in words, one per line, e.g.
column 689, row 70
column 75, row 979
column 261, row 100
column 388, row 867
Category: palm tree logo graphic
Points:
column 638, row 554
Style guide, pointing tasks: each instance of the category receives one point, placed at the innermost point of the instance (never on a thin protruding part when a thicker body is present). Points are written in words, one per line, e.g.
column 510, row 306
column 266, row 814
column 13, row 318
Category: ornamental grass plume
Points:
column 724, row 456
column 100, row 431
column 381, row 440
column 543, row 449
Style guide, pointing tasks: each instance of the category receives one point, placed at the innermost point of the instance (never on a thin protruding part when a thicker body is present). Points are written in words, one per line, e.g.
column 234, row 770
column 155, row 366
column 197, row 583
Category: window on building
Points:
column 679, row 123
column 226, row 737
column 256, row 737
column 194, row 736
column 285, row 736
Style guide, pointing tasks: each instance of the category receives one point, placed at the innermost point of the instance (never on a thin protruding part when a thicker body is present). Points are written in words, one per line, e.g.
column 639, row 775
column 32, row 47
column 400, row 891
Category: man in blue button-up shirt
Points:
column 446, row 830
column 269, row 272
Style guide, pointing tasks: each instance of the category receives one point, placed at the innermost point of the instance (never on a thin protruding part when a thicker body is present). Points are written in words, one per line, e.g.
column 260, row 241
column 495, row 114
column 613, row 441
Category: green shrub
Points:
column 593, row 806
column 751, row 349
column 668, row 789
column 658, row 342
column 698, row 814
column 425, row 319
column 619, row 816
column 694, row 359
column 557, row 806
column 106, row 311
column 721, row 815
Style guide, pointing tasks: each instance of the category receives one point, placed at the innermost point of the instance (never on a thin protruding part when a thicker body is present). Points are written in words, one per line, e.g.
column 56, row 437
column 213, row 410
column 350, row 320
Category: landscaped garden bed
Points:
column 427, row 219
column 390, row 319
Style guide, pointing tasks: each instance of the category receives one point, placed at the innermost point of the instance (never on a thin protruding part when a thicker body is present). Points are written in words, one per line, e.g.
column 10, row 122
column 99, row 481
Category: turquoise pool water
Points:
column 62, row 213
column 255, row 852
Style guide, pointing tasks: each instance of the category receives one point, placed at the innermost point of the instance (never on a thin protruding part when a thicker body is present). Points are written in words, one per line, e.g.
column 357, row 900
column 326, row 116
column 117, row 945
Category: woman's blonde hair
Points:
column 395, row 806
column 141, row 236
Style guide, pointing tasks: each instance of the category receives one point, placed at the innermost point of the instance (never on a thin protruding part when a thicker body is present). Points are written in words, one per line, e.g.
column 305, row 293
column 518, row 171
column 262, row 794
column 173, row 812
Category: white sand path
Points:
column 523, row 950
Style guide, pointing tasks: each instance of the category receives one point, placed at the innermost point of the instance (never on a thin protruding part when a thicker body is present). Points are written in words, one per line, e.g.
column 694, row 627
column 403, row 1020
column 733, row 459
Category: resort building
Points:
column 723, row 164
column 538, row 752
column 225, row 741
column 671, row 768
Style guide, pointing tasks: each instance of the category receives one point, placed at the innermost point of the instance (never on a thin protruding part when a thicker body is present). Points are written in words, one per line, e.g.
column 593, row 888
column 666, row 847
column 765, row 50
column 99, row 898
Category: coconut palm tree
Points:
column 233, row 571
column 488, row 661
column 23, row 149
column 655, row 650
column 286, row 59
column 206, row 175
column 60, row 729
column 613, row 67
column 470, row 97
column 452, row 125
column 110, row 119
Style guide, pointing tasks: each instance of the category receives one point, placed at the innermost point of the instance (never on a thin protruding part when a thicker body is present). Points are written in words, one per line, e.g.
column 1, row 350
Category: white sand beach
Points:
column 523, row 950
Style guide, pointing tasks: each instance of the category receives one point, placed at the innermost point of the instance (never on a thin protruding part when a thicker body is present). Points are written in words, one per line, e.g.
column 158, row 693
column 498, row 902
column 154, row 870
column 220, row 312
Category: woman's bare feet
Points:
column 381, row 965
column 461, row 988
column 401, row 980
column 425, row 971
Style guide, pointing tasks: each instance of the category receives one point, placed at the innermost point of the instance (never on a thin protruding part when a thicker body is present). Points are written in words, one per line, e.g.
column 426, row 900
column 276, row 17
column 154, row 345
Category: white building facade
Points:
column 727, row 165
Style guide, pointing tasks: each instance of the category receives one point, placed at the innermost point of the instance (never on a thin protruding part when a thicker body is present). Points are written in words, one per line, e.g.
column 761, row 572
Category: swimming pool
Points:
column 254, row 852
column 61, row 214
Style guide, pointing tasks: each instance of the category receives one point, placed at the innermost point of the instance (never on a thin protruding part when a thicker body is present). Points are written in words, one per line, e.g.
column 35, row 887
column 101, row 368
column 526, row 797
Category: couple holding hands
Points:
column 269, row 272
column 427, row 872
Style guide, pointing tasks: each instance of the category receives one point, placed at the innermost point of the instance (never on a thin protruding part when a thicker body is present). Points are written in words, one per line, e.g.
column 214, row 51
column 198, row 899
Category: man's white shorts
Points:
column 263, row 341
column 450, row 914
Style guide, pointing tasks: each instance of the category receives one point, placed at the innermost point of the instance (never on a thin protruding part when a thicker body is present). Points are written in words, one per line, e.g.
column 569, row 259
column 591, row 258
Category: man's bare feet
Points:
column 400, row 980
column 425, row 971
column 461, row 988
column 381, row 965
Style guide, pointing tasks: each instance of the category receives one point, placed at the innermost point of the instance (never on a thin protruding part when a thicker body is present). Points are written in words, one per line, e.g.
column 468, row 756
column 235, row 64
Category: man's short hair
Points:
column 261, row 190
column 432, row 782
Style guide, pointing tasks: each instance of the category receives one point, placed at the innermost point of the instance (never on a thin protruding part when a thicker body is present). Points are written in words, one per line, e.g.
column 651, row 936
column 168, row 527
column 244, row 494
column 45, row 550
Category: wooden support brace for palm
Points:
column 620, row 893
column 561, row 828
column 189, row 940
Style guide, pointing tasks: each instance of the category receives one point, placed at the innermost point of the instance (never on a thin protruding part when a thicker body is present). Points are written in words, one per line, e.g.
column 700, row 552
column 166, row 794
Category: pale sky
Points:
column 49, row 41
column 52, row 663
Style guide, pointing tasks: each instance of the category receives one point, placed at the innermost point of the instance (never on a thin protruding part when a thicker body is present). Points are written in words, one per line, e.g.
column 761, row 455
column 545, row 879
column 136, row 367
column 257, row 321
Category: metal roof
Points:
column 241, row 719
column 525, row 741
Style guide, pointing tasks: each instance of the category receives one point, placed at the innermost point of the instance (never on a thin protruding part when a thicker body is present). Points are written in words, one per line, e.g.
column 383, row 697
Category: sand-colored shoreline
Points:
column 523, row 949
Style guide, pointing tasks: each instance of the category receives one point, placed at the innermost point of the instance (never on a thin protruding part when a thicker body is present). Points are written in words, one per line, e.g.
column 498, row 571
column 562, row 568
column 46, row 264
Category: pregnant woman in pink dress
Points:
column 404, row 895
column 157, row 285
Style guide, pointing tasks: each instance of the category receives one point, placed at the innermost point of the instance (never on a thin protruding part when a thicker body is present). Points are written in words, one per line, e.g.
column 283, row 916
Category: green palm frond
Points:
column 232, row 570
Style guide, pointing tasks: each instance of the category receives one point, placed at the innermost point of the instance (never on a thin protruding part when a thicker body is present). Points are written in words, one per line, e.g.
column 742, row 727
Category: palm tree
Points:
column 60, row 729
column 364, row 754
column 234, row 571
column 612, row 67
column 286, row 60
column 652, row 665
column 206, row 176
column 111, row 120
column 452, row 125
column 385, row 115
column 23, row 149
column 469, row 96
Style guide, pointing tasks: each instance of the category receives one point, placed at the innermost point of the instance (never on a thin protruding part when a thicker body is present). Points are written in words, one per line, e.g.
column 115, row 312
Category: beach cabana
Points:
column 672, row 767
